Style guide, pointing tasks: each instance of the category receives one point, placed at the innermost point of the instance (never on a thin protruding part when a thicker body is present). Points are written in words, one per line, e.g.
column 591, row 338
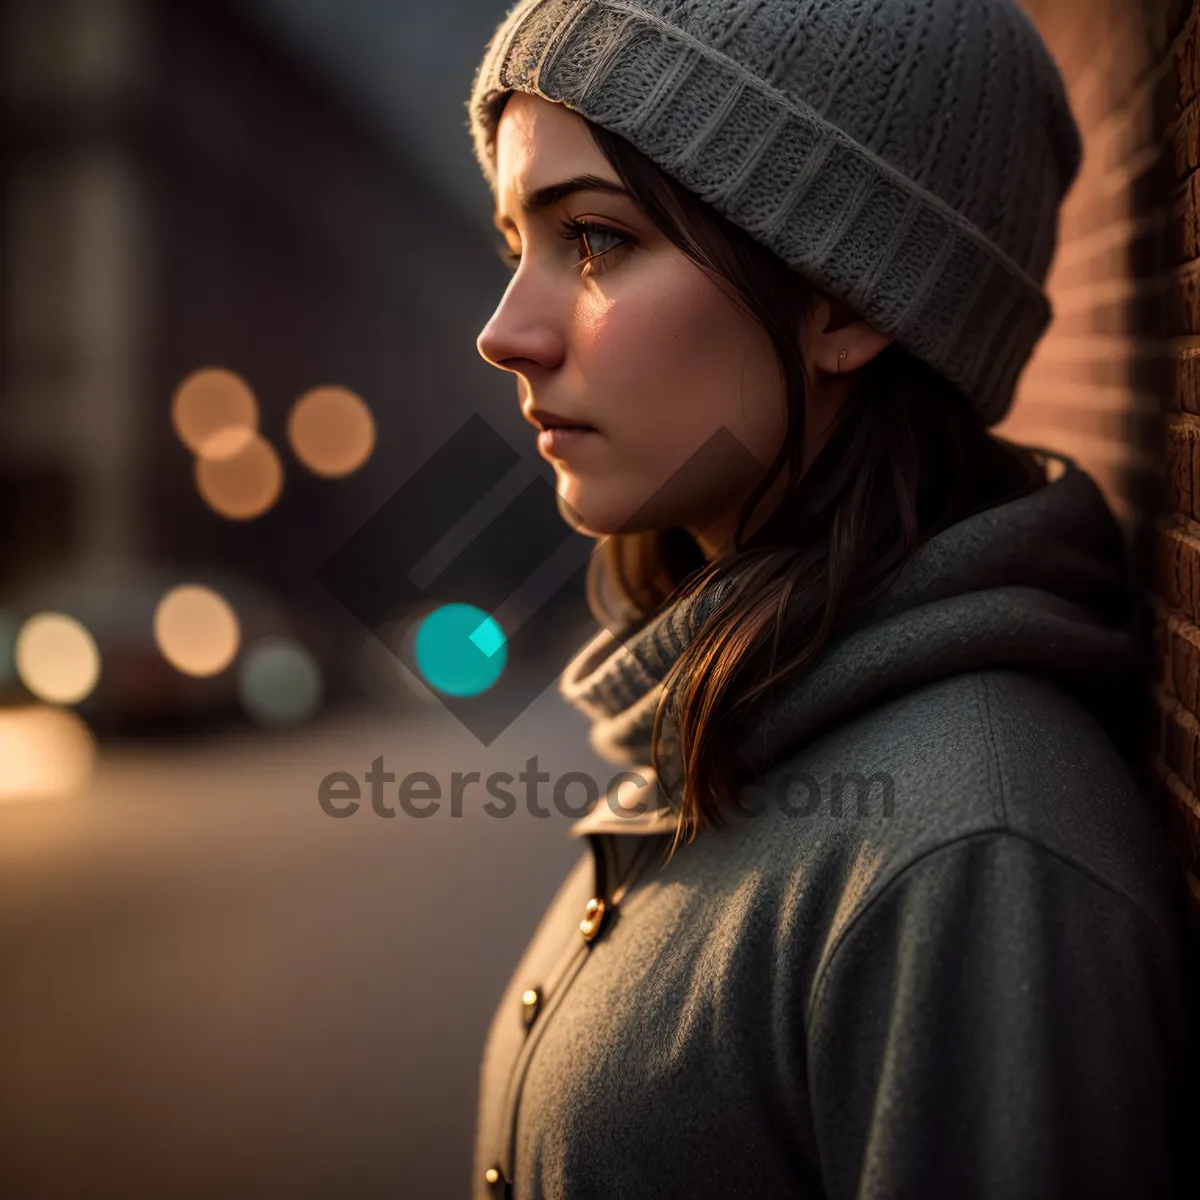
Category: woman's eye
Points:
column 594, row 243
column 594, row 240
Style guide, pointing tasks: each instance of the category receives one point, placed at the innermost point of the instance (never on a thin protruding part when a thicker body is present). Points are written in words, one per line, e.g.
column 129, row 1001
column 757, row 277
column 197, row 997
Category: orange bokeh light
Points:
column 331, row 431
column 243, row 485
column 214, row 413
column 57, row 658
column 196, row 630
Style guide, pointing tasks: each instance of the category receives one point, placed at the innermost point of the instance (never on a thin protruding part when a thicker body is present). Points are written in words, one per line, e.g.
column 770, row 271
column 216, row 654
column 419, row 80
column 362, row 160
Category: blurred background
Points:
column 246, row 253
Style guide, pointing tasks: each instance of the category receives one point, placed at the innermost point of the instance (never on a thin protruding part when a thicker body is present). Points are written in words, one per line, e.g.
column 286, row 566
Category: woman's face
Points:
column 606, row 323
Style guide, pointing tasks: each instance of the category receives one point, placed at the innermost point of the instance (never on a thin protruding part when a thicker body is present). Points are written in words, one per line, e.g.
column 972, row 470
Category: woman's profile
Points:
column 884, row 909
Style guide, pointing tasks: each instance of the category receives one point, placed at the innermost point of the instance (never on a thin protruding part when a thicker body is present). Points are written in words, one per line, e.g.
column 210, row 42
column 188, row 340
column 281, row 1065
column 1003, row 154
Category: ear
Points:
column 838, row 340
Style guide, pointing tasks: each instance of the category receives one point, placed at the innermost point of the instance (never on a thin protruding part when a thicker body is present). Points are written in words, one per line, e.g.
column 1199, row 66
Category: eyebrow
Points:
column 554, row 192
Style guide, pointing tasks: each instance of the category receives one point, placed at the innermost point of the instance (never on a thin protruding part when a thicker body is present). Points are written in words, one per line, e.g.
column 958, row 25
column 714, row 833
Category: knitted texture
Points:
column 619, row 684
column 906, row 156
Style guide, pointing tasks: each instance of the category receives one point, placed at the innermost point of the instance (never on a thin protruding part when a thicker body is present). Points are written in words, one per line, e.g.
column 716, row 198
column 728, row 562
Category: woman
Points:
column 883, row 910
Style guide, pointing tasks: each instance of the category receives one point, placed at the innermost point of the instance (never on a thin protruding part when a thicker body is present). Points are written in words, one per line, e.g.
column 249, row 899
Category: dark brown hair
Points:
column 908, row 456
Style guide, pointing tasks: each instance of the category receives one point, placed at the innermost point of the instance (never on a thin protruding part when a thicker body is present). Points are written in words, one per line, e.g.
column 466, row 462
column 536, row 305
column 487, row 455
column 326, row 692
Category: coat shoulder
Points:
column 997, row 751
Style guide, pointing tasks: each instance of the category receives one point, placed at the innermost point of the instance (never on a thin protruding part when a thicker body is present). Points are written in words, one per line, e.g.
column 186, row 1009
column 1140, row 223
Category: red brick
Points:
column 1186, row 394
column 1183, row 663
column 1182, row 445
column 1184, row 212
column 1184, row 309
column 1186, row 140
column 1176, row 567
column 1185, row 69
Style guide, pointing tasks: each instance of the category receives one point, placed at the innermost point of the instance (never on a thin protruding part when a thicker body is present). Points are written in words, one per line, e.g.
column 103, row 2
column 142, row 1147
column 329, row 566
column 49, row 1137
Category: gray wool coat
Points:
column 940, row 954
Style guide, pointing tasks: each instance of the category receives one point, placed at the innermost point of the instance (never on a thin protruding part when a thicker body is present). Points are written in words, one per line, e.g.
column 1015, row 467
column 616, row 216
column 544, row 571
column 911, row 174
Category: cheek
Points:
column 668, row 359
column 665, row 360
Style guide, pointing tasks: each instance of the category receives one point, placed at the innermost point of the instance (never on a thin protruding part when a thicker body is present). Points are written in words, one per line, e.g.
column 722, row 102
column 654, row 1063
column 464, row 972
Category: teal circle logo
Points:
column 460, row 649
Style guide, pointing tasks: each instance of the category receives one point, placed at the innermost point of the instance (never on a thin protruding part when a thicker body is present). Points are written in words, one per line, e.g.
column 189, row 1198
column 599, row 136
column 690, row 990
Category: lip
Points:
column 562, row 442
column 558, row 435
column 543, row 418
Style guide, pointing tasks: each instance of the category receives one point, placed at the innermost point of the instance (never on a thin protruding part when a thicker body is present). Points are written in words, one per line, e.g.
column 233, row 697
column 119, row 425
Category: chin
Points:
column 592, row 512
column 581, row 512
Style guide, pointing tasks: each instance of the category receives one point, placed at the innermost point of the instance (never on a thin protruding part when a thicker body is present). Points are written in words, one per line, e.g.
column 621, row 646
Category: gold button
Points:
column 593, row 915
column 492, row 1175
column 531, row 1003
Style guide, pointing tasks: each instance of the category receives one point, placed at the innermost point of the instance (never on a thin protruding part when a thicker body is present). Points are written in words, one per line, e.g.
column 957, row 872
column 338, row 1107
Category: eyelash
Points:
column 575, row 231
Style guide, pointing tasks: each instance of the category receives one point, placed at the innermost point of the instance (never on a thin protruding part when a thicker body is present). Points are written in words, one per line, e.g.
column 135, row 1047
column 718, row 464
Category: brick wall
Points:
column 1116, row 381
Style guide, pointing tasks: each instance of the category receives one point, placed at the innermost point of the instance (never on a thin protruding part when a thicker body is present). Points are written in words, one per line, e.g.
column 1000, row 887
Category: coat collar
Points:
column 654, row 819
column 603, row 820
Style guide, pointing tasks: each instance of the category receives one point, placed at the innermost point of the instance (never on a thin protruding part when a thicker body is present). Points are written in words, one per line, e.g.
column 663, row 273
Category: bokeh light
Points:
column 56, row 658
column 460, row 649
column 244, row 485
column 45, row 753
column 197, row 630
column 279, row 683
column 214, row 413
column 331, row 431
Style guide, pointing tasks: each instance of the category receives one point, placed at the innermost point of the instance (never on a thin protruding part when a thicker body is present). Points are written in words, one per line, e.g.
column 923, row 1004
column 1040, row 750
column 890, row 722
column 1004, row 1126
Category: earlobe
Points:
column 854, row 345
column 838, row 340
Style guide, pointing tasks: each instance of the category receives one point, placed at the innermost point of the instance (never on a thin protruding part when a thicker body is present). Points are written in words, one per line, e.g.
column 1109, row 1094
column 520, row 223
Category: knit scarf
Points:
column 618, row 682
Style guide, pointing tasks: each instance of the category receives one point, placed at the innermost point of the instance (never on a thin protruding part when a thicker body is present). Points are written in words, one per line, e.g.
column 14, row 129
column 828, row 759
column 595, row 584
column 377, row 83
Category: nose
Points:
column 523, row 332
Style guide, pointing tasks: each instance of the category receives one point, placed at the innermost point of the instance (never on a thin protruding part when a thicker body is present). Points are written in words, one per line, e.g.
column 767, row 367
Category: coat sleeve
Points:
column 997, row 1023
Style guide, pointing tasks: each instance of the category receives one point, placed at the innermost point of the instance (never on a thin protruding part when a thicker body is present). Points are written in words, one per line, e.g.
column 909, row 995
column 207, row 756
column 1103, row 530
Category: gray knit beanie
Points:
column 906, row 156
